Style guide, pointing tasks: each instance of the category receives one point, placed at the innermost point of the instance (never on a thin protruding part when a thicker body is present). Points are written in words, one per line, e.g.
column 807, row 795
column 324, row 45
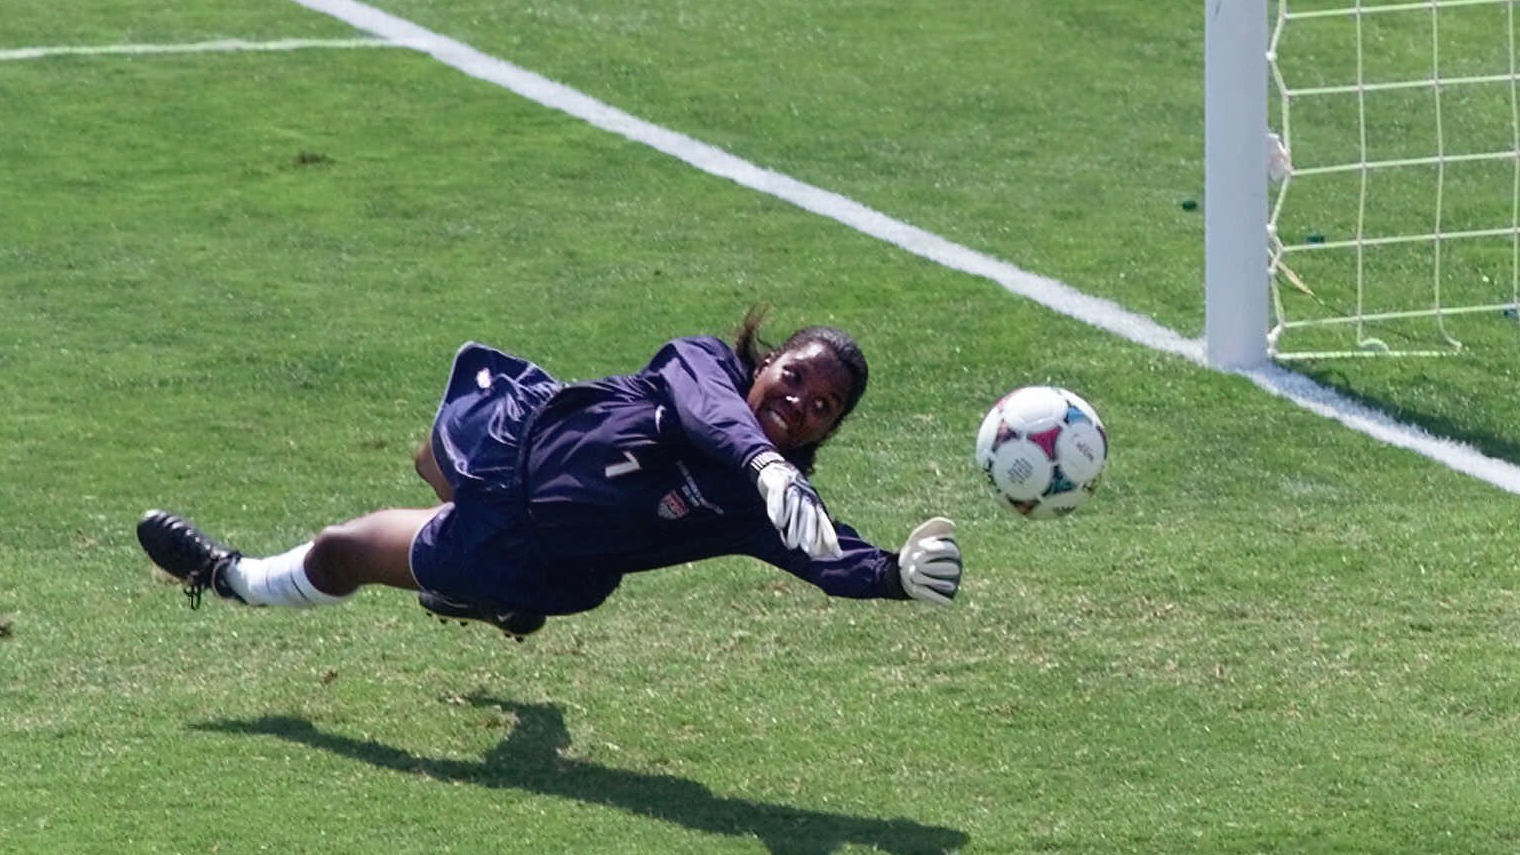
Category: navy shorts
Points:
column 478, row 547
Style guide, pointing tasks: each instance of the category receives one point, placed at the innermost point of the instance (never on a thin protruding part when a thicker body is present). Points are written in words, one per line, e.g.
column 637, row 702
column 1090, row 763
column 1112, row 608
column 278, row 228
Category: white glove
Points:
column 930, row 562
column 795, row 509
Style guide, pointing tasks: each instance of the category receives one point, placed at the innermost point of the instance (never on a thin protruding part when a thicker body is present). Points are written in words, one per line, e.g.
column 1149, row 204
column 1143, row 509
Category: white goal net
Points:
column 1394, row 219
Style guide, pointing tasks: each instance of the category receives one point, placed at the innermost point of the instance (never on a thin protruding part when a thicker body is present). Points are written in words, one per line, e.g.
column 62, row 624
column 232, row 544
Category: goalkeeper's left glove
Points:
column 929, row 564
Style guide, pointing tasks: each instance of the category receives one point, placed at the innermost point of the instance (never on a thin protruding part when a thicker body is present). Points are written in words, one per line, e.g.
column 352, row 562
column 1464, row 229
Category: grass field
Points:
column 232, row 284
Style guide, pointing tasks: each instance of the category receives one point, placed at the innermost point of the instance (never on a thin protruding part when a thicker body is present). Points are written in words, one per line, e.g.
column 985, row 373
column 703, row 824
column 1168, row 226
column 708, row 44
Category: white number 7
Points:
column 629, row 466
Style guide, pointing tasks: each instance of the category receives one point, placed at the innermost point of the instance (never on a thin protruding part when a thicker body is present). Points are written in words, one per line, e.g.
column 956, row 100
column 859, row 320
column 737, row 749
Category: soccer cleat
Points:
column 515, row 623
column 187, row 554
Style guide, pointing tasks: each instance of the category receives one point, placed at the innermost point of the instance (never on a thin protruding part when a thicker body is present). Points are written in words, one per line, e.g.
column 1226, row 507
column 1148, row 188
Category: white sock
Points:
column 279, row 580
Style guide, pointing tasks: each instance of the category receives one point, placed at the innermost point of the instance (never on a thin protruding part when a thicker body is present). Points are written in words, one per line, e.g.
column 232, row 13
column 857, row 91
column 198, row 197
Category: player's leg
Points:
column 515, row 623
column 469, row 561
column 372, row 549
column 427, row 467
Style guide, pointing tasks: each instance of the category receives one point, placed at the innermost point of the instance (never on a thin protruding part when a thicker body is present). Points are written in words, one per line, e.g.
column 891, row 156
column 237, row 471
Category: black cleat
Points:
column 515, row 623
column 186, row 554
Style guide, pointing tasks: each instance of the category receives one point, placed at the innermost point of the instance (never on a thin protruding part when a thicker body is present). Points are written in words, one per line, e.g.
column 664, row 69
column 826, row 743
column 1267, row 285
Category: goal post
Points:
column 1361, row 178
column 1236, row 279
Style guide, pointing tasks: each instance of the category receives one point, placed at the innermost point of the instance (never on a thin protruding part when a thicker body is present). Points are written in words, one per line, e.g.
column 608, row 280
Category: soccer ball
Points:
column 1043, row 449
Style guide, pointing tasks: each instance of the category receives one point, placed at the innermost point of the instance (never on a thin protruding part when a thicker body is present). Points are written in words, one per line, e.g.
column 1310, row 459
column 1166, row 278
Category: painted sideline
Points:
column 222, row 45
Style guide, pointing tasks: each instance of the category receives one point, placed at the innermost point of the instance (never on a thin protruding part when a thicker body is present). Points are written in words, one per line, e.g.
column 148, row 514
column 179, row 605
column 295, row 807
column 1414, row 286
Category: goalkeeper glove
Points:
column 794, row 507
column 929, row 564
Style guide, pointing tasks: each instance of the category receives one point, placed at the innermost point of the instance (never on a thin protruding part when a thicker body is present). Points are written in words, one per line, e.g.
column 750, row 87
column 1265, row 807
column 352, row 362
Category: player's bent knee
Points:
column 427, row 467
column 333, row 559
column 373, row 549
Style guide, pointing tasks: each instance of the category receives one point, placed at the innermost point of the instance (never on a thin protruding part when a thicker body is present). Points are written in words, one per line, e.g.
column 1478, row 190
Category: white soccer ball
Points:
column 1043, row 449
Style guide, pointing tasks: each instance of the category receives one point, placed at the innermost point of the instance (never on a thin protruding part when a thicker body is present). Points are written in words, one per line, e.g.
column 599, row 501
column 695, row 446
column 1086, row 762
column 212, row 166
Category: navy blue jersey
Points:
column 613, row 476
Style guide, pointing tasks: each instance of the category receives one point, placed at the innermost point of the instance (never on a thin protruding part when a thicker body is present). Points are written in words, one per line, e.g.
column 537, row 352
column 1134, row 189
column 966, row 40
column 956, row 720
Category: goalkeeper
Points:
column 551, row 492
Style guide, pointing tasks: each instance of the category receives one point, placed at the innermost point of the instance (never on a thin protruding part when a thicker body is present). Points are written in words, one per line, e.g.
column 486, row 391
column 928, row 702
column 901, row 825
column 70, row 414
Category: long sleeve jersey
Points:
column 647, row 470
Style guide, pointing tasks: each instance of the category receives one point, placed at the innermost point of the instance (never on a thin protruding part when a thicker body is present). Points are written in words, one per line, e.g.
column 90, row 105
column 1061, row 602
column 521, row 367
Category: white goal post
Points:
column 1235, row 188
column 1392, row 133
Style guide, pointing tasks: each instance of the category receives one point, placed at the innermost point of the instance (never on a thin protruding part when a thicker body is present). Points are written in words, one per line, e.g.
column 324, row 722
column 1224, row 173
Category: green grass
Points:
column 232, row 284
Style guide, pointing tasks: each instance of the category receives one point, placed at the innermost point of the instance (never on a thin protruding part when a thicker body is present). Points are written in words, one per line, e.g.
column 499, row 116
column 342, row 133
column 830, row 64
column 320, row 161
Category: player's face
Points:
column 799, row 395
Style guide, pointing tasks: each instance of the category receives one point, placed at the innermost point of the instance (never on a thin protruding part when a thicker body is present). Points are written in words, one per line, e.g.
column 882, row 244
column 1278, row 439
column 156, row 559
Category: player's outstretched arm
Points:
column 929, row 564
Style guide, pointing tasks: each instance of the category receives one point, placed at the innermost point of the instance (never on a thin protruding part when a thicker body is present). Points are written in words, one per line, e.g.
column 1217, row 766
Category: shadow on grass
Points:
column 530, row 759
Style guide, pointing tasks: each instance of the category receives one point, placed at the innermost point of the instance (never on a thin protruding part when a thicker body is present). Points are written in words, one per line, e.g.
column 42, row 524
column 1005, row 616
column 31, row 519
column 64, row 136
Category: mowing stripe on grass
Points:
column 219, row 45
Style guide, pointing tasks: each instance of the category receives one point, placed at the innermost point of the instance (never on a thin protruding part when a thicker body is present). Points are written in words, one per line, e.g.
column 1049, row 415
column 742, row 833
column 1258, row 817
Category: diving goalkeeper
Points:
column 551, row 492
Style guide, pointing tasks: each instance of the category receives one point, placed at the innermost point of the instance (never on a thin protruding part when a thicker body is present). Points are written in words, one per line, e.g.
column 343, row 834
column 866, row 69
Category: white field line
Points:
column 391, row 31
column 218, row 45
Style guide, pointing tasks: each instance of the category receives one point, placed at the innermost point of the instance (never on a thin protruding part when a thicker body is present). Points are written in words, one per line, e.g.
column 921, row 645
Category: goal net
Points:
column 1394, row 202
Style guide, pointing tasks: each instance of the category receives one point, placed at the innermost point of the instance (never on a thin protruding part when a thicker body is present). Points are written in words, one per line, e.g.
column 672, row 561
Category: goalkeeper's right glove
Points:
column 929, row 564
column 794, row 507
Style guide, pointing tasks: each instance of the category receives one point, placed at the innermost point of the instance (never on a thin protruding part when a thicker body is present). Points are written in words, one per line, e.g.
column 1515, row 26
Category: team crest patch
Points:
column 672, row 506
column 684, row 499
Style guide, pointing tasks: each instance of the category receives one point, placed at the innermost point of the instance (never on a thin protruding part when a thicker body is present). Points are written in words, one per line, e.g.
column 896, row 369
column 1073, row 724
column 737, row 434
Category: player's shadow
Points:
column 530, row 759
